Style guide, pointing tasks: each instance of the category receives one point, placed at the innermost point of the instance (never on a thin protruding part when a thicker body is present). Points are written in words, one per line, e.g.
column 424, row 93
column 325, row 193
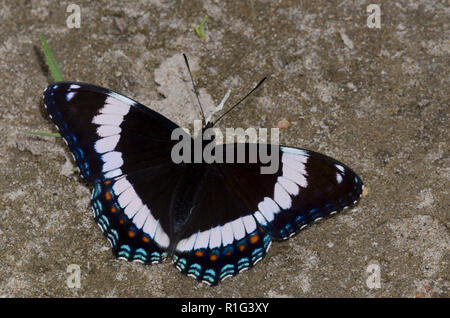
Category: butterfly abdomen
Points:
column 185, row 194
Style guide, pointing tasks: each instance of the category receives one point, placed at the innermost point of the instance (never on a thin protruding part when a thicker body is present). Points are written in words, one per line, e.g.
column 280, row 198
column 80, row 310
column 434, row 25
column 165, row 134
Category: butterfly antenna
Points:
column 241, row 100
column 195, row 87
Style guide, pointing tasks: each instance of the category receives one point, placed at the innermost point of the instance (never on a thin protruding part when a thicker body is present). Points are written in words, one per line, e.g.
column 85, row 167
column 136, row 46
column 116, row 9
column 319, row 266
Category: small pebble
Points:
column 283, row 124
column 365, row 191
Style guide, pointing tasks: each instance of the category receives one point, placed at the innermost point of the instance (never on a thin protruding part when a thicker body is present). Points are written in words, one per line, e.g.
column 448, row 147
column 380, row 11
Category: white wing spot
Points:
column 113, row 106
column 290, row 186
column 107, row 130
column 216, row 237
column 187, row 244
column 133, row 207
column 140, row 217
column 121, row 185
column 238, row 229
column 112, row 160
column 202, row 240
column 106, row 144
column 69, row 96
column 268, row 208
column 294, row 151
column 339, row 167
column 126, row 197
column 338, row 177
column 150, row 225
column 108, row 119
column 295, row 176
column 282, row 197
column 161, row 237
column 260, row 217
column 227, row 234
column 249, row 223
column 113, row 173
column 294, row 164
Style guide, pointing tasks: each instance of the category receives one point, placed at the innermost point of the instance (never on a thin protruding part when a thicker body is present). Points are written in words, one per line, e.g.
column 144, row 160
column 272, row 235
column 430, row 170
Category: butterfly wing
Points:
column 124, row 148
column 101, row 127
column 132, row 212
column 309, row 187
column 241, row 209
column 221, row 238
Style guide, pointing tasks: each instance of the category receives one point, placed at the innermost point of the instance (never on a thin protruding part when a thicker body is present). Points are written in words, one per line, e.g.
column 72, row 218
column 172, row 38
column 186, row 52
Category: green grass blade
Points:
column 41, row 133
column 54, row 69
column 200, row 29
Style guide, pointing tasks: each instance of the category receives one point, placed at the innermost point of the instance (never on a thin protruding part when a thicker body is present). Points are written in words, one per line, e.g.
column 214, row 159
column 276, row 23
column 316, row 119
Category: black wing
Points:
column 240, row 209
column 124, row 148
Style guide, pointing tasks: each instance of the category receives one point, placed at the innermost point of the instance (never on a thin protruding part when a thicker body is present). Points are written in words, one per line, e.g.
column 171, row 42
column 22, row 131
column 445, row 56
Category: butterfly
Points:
column 213, row 220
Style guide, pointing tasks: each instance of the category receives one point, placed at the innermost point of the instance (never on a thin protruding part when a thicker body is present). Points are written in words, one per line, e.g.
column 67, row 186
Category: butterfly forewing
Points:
column 102, row 127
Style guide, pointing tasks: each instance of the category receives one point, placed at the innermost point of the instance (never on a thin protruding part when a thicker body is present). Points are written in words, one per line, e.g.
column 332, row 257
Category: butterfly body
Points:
column 214, row 219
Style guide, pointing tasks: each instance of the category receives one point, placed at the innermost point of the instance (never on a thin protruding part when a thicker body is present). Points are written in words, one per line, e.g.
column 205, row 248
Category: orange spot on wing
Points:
column 108, row 195
column 213, row 257
column 198, row 253
column 241, row 247
column 145, row 239
column 131, row 234
column 121, row 222
column 228, row 252
column 254, row 239
column 107, row 182
column 113, row 209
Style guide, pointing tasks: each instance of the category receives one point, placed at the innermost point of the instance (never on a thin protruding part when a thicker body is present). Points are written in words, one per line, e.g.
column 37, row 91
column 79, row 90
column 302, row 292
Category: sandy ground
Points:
column 376, row 99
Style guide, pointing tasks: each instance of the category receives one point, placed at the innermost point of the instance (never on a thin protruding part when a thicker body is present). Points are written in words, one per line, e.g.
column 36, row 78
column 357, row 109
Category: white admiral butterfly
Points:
column 214, row 220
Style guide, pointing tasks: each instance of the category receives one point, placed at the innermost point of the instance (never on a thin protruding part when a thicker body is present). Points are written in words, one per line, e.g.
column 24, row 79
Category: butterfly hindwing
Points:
column 134, row 235
column 221, row 238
